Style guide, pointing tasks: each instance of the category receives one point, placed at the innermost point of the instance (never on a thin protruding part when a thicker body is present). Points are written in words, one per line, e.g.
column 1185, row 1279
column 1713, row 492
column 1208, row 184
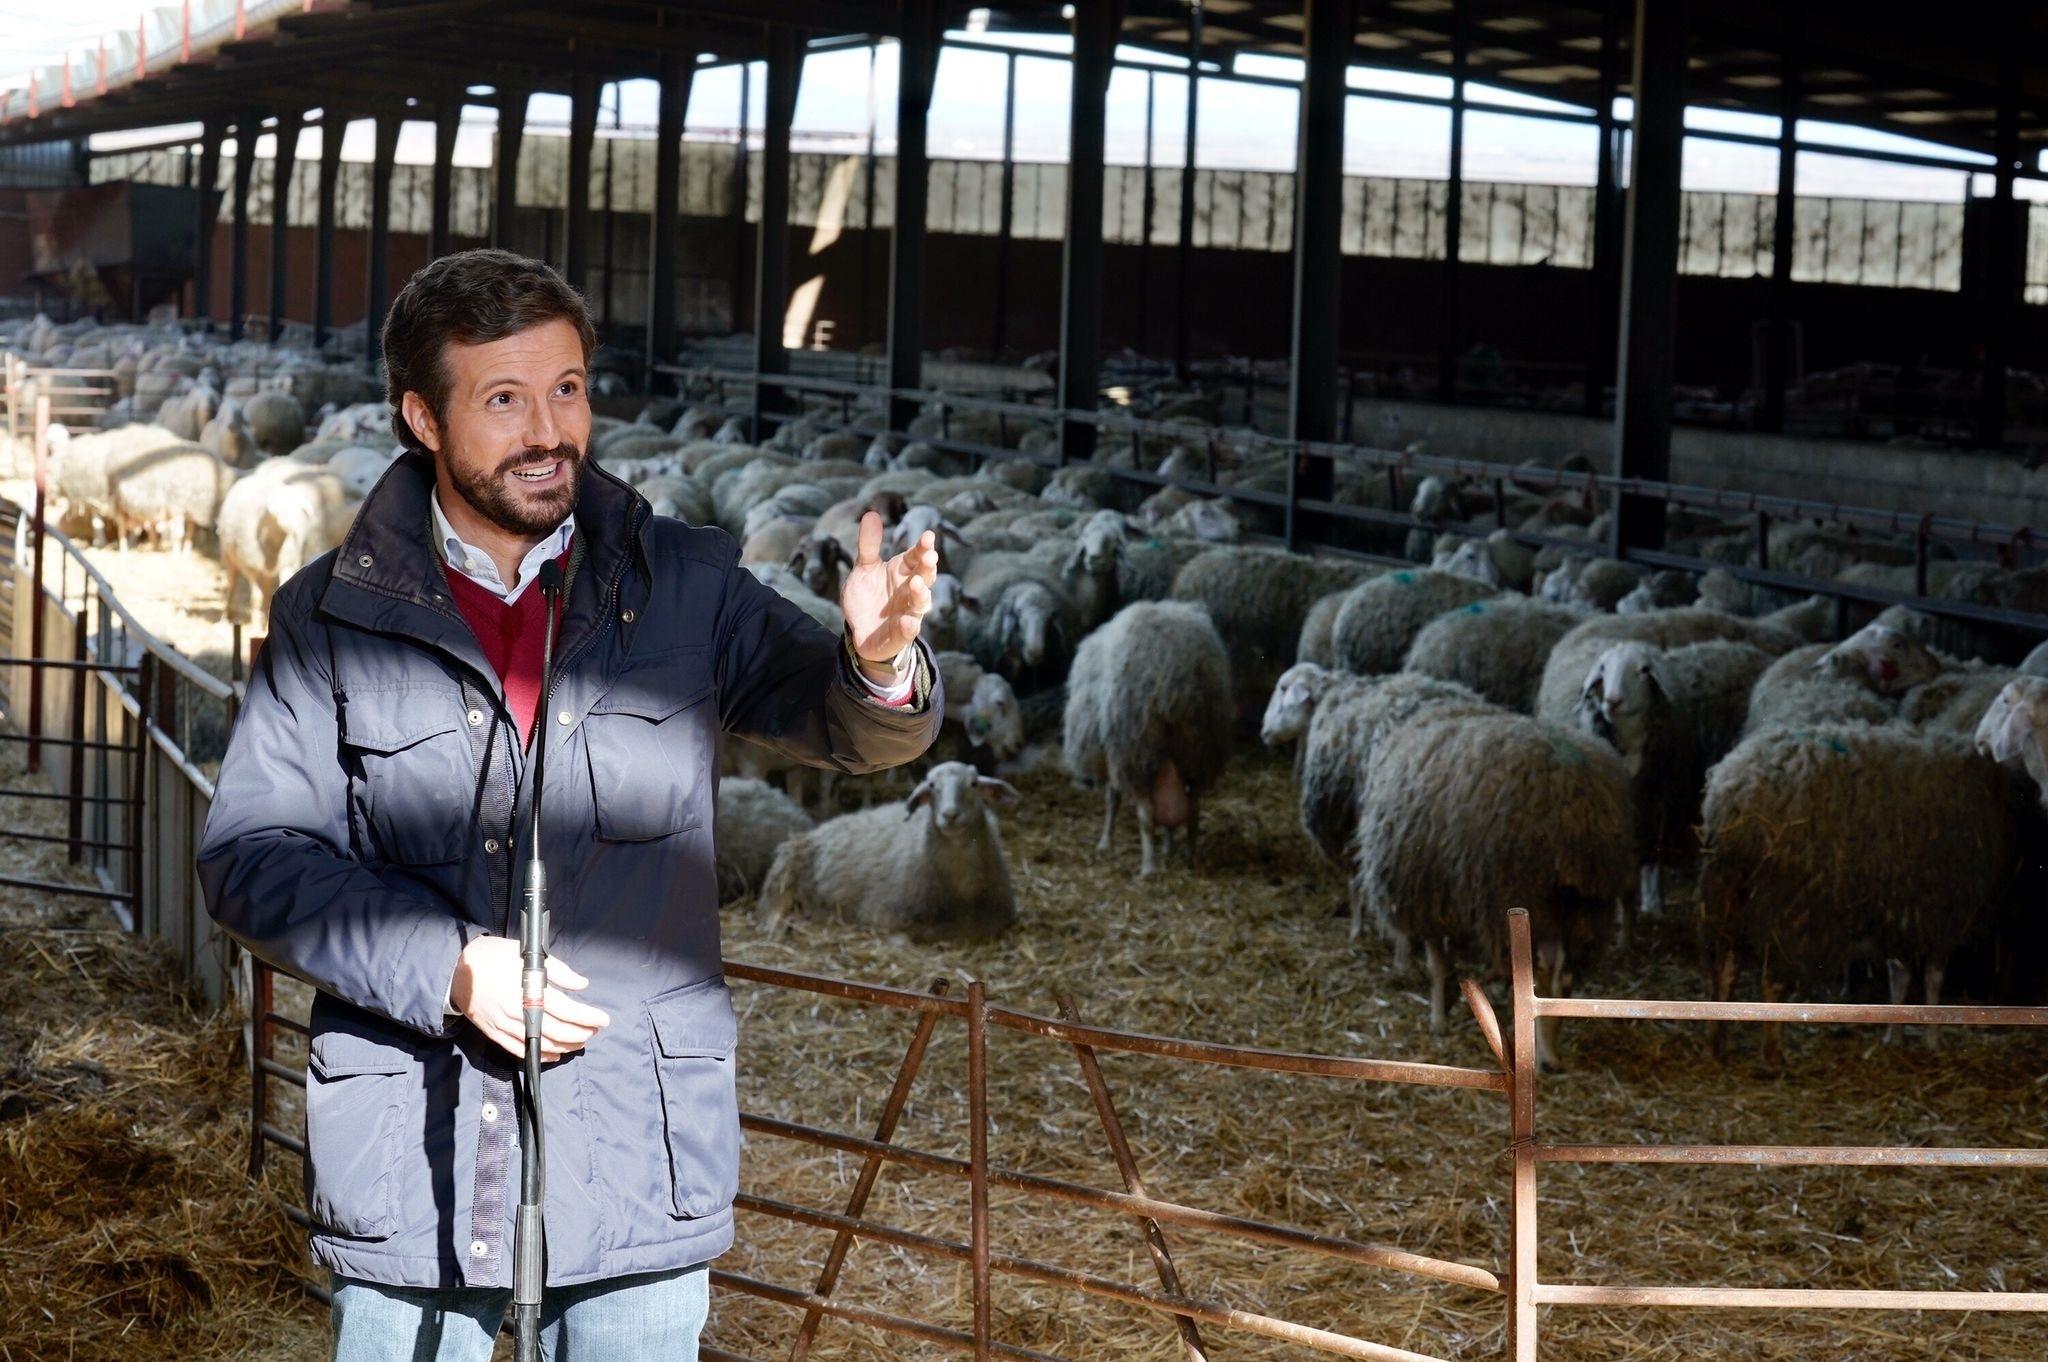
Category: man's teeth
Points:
column 534, row 474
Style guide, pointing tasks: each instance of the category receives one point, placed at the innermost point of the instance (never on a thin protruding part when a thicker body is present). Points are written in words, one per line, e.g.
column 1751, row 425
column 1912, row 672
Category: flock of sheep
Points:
column 1491, row 726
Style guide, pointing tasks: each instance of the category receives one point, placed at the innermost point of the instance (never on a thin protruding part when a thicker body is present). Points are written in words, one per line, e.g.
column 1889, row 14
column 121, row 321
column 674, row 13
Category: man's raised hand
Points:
column 884, row 600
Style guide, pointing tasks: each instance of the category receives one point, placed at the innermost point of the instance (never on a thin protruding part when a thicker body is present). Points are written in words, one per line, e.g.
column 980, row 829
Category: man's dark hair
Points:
column 470, row 298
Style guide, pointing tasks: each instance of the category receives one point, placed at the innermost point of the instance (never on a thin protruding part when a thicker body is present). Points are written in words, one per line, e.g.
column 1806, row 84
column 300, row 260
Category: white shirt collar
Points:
column 473, row 563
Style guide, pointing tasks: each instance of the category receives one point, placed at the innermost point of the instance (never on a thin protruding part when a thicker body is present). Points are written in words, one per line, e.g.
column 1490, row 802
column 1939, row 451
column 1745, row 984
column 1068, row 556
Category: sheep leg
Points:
column 1145, row 850
column 1108, row 818
column 1901, row 975
column 1936, row 972
column 1774, row 1032
column 1194, row 827
column 1439, row 983
column 1551, row 973
column 1724, row 989
column 1652, row 887
column 1404, row 944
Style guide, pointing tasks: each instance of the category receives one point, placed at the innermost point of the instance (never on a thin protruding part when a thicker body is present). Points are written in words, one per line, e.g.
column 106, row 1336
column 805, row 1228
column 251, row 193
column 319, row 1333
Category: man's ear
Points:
column 417, row 415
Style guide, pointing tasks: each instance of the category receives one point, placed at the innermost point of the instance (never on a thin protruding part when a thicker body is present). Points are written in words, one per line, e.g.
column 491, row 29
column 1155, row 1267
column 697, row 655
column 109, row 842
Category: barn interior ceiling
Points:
column 1882, row 67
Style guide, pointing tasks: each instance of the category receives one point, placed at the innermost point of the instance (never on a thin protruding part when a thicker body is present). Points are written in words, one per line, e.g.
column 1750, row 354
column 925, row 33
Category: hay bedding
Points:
column 123, row 1208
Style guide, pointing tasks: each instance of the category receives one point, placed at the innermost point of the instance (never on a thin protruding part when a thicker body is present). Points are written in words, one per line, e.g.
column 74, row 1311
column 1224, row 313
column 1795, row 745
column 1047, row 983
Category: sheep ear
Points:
column 919, row 797
column 796, row 561
column 999, row 793
column 2007, row 726
column 972, row 603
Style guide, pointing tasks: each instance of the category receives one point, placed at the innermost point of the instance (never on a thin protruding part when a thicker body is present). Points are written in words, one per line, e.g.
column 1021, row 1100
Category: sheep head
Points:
column 1293, row 702
column 959, row 798
column 2014, row 731
column 1622, row 691
column 994, row 719
column 1888, row 661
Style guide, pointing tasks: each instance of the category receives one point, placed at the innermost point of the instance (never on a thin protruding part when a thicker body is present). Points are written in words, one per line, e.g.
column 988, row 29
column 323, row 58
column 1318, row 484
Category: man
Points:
column 368, row 820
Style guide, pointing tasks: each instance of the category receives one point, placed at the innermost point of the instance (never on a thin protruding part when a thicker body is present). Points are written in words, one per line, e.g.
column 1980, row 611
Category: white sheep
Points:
column 1148, row 718
column 932, row 866
column 754, row 819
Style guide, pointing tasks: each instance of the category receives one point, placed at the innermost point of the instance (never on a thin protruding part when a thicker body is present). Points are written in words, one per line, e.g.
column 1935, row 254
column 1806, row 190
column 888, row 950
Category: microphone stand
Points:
column 528, row 1233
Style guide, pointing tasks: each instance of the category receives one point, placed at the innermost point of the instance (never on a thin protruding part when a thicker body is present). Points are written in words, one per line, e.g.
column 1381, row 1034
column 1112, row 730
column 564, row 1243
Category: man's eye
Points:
column 498, row 401
column 568, row 389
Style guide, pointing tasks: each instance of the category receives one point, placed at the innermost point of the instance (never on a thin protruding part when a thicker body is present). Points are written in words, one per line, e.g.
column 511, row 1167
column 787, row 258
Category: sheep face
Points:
column 994, row 718
column 914, row 523
column 1436, row 500
column 1210, row 520
column 1621, row 692
column 1885, row 659
column 1098, row 545
column 959, row 797
column 1293, row 702
column 2014, row 731
column 818, row 562
column 1025, row 621
column 1469, row 559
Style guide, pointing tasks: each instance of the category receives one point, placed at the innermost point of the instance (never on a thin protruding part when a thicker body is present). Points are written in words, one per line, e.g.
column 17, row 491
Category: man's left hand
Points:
column 884, row 600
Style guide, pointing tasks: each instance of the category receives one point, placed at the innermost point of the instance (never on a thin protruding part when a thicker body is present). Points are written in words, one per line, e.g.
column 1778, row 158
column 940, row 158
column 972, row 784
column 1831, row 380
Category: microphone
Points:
column 528, row 1241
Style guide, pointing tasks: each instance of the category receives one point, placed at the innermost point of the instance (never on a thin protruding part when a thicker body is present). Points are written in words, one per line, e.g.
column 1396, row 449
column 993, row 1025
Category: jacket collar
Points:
column 387, row 577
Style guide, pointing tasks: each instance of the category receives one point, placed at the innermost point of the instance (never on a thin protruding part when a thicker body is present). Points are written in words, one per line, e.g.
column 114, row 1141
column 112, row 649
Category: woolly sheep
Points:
column 1955, row 701
column 1334, row 718
column 1113, row 563
column 1497, row 648
column 1666, row 590
column 1465, row 815
column 170, row 489
column 1317, row 627
column 1564, row 676
column 1823, row 842
column 1379, row 619
column 228, row 437
column 984, row 726
column 2014, row 731
column 680, row 497
column 188, row 413
column 1670, row 715
column 1027, row 624
column 1258, row 598
column 275, row 519
column 754, row 819
column 1858, row 680
column 1499, row 560
column 790, row 587
column 1148, row 718
column 277, row 422
column 932, row 867
column 1582, row 579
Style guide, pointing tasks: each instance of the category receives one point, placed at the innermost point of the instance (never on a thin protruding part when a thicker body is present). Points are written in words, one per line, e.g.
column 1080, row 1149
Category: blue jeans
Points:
column 648, row 1317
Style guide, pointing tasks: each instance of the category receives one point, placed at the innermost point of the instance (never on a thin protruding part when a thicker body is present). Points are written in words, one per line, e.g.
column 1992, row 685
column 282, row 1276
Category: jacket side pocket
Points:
column 695, row 1038
column 356, row 1090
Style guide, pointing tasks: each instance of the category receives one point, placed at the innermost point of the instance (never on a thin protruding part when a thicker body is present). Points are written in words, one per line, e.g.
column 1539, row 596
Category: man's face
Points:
column 511, row 440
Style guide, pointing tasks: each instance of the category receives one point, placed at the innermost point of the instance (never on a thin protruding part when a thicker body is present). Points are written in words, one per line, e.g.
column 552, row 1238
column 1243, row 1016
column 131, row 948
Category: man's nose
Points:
column 542, row 431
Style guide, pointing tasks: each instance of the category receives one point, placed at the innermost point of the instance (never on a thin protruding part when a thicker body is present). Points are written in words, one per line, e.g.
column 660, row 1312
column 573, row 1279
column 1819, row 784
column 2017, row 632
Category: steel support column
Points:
column 246, row 132
column 289, row 125
column 1649, row 278
column 676, row 73
column 1006, row 226
column 447, row 119
column 576, row 217
column 919, row 61
column 1184, row 253
column 2002, row 260
column 505, row 166
column 1778, row 330
column 379, row 286
column 1454, row 209
column 333, row 124
column 740, row 273
column 771, row 249
column 1318, row 224
column 207, row 215
column 1606, row 217
column 1096, row 27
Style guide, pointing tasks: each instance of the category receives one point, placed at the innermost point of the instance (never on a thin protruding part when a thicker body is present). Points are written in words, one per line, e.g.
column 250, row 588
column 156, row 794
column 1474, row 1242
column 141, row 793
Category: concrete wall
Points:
column 1973, row 485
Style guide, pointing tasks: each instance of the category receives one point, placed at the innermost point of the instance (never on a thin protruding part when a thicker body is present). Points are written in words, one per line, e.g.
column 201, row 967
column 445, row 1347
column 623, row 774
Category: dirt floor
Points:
column 127, row 1228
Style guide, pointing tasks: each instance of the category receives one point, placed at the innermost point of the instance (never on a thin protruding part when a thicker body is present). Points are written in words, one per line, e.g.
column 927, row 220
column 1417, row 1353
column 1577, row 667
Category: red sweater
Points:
column 511, row 637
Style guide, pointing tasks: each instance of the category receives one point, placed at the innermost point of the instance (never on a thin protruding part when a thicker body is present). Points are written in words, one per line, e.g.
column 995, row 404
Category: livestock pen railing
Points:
column 1306, row 521
column 72, row 395
column 1513, row 1075
column 82, row 677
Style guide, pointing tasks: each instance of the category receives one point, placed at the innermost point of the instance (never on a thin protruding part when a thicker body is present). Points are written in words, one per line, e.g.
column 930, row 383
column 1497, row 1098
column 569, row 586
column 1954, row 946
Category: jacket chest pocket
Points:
column 649, row 742
column 356, row 1093
column 695, row 1041
column 413, row 772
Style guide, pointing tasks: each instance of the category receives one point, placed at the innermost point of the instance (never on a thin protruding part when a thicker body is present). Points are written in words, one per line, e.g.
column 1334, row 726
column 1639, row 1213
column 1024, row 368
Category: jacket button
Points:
column 625, row 617
column 563, row 717
column 364, row 561
column 479, row 1249
column 491, row 845
column 476, row 718
column 490, row 1111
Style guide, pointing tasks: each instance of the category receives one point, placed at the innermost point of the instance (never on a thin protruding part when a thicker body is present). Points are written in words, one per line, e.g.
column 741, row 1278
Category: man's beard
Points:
column 494, row 497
